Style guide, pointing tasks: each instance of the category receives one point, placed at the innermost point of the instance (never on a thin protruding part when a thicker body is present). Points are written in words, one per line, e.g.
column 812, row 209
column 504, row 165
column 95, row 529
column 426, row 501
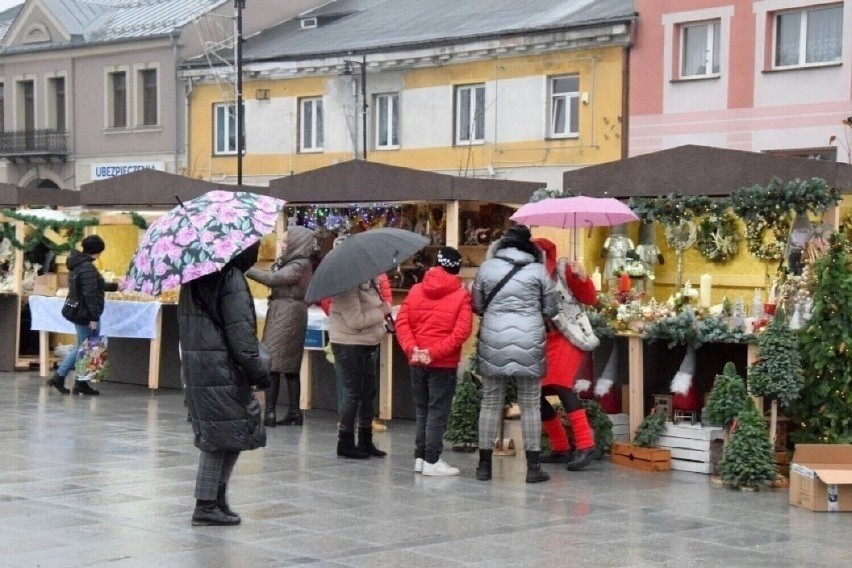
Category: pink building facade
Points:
column 756, row 75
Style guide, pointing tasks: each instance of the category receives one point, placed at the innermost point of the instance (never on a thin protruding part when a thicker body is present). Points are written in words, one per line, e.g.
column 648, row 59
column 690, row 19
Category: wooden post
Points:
column 43, row 353
column 636, row 374
column 452, row 225
column 305, row 372
column 386, row 378
column 751, row 359
column 154, row 353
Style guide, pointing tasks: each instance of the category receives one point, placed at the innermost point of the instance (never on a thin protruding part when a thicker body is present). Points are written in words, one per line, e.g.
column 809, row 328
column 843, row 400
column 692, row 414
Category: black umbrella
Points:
column 361, row 257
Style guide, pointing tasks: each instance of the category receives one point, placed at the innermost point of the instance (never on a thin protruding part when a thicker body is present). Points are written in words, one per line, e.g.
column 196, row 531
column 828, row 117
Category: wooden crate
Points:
column 648, row 459
column 620, row 427
column 691, row 446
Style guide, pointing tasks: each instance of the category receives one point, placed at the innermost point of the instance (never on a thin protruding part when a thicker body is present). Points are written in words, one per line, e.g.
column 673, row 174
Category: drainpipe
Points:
column 625, row 102
column 178, row 122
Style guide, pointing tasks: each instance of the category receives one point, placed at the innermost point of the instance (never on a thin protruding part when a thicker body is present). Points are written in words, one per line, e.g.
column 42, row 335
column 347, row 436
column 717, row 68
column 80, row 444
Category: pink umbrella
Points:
column 573, row 212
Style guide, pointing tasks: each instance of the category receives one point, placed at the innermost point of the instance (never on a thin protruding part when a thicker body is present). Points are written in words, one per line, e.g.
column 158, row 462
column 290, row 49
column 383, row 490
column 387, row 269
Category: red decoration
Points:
column 624, row 283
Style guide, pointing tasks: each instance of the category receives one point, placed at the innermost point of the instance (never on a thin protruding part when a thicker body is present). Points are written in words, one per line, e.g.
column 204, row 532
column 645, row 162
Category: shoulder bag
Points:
column 74, row 309
column 493, row 292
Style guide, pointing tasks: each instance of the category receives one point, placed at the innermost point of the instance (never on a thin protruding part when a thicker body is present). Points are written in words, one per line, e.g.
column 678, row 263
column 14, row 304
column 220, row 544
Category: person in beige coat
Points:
column 356, row 326
column 287, row 319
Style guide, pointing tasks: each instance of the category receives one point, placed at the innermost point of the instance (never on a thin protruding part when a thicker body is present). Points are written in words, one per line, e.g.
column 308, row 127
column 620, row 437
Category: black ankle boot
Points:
column 294, row 392
column 57, row 381
column 208, row 513
column 82, row 387
column 346, row 447
column 556, row 457
column 222, row 501
column 365, row 443
column 483, row 470
column 293, row 417
column 582, row 458
column 534, row 472
column 272, row 399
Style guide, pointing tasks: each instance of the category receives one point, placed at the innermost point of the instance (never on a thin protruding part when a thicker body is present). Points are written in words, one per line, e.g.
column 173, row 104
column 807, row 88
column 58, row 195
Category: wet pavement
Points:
column 108, row 481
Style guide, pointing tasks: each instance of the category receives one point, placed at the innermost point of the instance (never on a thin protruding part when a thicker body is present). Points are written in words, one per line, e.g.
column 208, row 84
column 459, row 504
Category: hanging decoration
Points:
column 670, row 210
column 771, row 208
column 718, row 236
column 138, row 220
column 72, row 230
column 342, row 219
column 550, row 192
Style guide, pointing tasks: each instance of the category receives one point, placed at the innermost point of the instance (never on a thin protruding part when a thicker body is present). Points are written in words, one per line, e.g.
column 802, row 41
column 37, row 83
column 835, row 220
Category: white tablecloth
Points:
column 316, row 317
column 120, row 318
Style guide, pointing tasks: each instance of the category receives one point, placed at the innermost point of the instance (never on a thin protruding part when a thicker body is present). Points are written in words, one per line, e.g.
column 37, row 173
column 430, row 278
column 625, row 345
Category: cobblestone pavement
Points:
column 108, row 481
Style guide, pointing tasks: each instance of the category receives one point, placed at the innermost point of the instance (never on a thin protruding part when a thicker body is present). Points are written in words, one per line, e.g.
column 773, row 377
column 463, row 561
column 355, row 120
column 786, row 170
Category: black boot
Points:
column 82, row 387
column 483, row 470
column 272, row 399
column 365, row 443
column 294, row 392
column 556, row 457
column 534, row 472
column 222, row 501
column 208, row 513
column 57, row 381
column 346, row 447
column 582, row 458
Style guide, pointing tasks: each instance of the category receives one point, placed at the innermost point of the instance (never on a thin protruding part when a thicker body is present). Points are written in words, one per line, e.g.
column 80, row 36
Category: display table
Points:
column 138, row 352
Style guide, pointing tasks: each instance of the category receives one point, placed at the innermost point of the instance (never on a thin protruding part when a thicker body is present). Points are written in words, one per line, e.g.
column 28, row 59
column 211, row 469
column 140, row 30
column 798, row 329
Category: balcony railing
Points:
column 30, row 144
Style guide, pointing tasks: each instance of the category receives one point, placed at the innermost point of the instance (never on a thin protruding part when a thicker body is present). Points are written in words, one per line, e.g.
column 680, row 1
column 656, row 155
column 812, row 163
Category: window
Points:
column 700, row 50
column 470, row 114
column 310, row 124
column 148, row 97
column 809, row 36
column 225, row 128
column 117, row 99
column 564, row 106
column 56, row 88
column 387, row 120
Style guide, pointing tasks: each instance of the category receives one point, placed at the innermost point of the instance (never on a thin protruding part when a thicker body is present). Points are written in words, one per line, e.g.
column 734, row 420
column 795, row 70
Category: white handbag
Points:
column 571, row 319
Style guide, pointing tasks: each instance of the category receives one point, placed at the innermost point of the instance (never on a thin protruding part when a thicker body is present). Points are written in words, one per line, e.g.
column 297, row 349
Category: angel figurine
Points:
column 615, row 251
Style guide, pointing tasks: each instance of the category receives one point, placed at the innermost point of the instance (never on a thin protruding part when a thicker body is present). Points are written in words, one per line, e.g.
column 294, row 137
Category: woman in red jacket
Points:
column 563, row 362
column 432, row 325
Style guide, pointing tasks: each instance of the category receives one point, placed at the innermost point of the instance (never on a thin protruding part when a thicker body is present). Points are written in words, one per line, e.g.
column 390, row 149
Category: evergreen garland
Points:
column 550, row 192
column 727, row 397
column 463, row 427
column 671, row 209
column 138, row 220
column 681, row 329
column 650, row 429
column 777, row 374
column 601, row 325
column 824, row 408
column 74, row 231
column 749, row 459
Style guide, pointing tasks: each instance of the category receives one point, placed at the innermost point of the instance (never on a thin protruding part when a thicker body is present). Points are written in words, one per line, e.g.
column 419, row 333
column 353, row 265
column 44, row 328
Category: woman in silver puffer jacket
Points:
column 512, row 341
column 287, row 319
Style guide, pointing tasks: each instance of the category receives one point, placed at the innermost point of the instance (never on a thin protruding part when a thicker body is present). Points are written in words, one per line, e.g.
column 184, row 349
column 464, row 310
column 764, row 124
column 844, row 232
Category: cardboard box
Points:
column 45, row 285
column 821, row 477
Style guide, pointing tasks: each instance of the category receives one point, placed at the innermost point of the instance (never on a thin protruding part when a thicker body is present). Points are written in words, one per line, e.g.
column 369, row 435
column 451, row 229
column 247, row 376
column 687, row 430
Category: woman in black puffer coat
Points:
column 222, row 361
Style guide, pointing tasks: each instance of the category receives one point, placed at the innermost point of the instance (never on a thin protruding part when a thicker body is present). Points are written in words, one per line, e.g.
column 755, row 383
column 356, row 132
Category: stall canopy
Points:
column 12, row 196
column 151, row 188
column 359, row 181
column 699, row 170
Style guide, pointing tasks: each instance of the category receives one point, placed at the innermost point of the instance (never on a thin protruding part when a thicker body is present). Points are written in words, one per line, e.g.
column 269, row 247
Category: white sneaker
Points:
column 418, row 465
column 440, row 467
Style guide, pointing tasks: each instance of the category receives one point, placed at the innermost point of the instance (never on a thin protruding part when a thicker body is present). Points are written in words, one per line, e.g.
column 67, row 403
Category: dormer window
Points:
column 37, row 34
column 309, row 23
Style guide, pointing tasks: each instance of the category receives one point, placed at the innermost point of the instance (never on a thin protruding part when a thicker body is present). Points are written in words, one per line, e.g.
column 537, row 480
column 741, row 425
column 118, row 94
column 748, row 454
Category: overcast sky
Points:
column 9, row 3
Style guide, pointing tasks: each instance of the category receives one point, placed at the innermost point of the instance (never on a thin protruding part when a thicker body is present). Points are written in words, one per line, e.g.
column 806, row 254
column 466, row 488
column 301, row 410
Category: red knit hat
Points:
column 549, row 248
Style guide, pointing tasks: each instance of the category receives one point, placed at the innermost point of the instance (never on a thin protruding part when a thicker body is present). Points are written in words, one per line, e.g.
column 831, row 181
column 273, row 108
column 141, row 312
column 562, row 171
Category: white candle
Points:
column 596, row 279
column 705, row 290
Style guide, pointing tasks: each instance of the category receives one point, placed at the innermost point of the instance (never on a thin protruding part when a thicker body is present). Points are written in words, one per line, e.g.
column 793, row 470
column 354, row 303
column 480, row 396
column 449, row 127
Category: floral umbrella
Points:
column 199, row 237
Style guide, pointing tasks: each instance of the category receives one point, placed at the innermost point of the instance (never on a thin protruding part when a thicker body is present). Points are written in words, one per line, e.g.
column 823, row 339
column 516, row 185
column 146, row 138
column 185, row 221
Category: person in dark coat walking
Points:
column 287, row 319
column 221, row 361
column 89, row 289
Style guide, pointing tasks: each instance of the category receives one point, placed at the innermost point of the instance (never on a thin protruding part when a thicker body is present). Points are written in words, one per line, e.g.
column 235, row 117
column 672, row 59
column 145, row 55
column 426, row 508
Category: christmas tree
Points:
column 650, row 429
column 777, row 374
column 727, row 398
column 749, row 459
column 824, row 407
column 463, row 428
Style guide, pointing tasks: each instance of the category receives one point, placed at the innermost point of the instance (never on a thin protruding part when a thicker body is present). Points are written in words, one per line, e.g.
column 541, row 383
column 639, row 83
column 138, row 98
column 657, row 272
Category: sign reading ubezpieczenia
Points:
column 105, row 171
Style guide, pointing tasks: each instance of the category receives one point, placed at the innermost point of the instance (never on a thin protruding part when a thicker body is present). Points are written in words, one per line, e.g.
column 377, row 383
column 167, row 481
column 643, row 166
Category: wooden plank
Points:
column 694, row 467
column 154, row 353
column 641, row 464
column 305, row 376
column 452, row 224
column 641, row 453
column 694, row 432
column 636, row 374
column 686, row 443
column 701, row 456
column 622, row 418
column 385, row 378
column 43, row 353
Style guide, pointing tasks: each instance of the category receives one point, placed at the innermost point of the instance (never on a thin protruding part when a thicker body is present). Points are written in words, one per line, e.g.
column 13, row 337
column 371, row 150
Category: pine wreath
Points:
column 718, row 237
column 755, row 240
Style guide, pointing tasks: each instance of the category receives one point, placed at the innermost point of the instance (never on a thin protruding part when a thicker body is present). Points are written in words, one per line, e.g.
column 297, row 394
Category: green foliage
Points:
column 598, row 420
column 727, row 398
column 73, row 231
column 777, row 374
column 511, row 392
column 600, row 324
column 671, row 209
column 650, row 429
column 749, row 459
column 716, row 330
column 548, row 192
column 463, row 427
column 824, row 409
column 681, row 329
column 138, row 220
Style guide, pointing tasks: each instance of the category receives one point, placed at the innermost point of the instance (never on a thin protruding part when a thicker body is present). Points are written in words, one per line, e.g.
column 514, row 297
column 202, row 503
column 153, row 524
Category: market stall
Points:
column 467, row 213
column 26, row 237
column 735, row 230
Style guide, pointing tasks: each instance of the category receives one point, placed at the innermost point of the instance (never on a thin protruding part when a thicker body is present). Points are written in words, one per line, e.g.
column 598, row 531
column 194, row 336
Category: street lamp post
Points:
column 348, row 71
column 239, row 5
